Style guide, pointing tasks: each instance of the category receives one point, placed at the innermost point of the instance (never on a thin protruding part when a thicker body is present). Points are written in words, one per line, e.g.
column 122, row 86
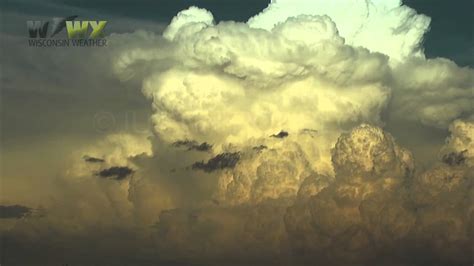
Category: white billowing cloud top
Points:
column 380, row 26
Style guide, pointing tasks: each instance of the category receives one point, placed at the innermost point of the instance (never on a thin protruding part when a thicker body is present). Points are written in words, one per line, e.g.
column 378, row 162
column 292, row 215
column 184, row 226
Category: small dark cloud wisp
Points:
column 90, row 159
column 221, row 161
column 117, row 172
column 260, row 148
column 14, row 211
column 309, row 131
column 282, row 134
column 193, row 145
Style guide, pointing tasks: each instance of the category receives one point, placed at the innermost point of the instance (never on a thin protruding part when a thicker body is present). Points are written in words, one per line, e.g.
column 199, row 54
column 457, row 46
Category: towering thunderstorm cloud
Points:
column 297, row 168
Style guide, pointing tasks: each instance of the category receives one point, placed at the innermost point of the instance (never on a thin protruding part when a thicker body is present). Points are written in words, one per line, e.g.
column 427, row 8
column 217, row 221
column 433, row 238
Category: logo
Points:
column 78, row 33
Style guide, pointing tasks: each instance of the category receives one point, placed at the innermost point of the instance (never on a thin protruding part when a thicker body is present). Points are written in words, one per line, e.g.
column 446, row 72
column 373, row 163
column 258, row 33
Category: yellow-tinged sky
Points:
column 315, row 132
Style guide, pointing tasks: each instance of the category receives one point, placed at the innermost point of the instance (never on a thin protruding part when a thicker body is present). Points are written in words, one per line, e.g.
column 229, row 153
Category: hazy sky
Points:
column 201, row 136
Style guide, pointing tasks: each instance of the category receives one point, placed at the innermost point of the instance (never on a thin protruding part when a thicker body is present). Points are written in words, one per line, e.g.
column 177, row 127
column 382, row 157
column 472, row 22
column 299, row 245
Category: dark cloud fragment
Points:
column 221, row 161
column 90, row 159
column 185, row 143
column 260, row 148
column 118, row 172
column 14, row 211
column 282, row 134
column 309, row 131
column 193, row 145
column 454, row 158
column 201, row 147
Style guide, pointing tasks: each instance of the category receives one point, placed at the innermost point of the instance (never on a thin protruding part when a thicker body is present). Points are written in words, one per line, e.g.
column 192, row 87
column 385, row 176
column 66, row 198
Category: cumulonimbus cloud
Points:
column 297, row 166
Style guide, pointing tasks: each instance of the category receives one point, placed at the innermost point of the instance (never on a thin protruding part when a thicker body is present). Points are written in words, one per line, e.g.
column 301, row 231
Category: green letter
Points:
column 76, row 29
column 97, row 28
